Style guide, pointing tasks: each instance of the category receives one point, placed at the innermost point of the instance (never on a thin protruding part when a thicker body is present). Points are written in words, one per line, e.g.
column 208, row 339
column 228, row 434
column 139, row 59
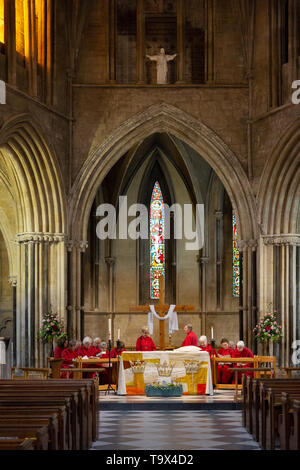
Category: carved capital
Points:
column 219, row 214
column 80, row 245
column 282, row 240
column 13, row 281
column 243, row 245
column 39, row 237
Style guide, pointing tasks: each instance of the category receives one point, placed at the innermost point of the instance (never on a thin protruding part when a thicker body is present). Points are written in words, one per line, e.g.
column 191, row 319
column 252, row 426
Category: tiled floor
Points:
column 172, row 430
column 219, row 396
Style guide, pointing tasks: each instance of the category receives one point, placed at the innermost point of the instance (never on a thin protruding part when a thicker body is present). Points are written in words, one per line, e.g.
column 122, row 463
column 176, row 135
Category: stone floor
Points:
column 173, row 430
column 186, row 423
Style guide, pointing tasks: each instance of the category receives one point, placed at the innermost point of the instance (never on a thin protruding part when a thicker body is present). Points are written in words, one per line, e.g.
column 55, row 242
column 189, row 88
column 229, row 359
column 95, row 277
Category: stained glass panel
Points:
column 157, row 244
column 235, row 260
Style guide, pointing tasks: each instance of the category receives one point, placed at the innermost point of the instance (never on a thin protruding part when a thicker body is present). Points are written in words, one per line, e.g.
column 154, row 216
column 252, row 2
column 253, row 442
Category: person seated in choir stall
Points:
column 117, row 351
column 61, row 345
column 144, row 342
column 68, row 355
column 242, row 351
column 191, row 338
column 87, row 348
column 232, row 345
column 96, row 347
column 224, row 375
column 204, row 346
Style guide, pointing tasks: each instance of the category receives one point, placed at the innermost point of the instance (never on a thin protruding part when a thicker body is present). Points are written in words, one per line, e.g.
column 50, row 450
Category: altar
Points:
column 139, row 368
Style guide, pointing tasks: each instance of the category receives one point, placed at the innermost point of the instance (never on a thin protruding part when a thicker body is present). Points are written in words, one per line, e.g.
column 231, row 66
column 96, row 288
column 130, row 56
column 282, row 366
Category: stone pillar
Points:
column 10, row 40
column 13, row 282
column 41, row 285
column 111, row 40
column 202, row 301
column 180, row 41
column 75, row 283
column 110, row 261
column 140, row 42
column 210, row 42
column 30, row 45
column 283, row 251
column 219, row 259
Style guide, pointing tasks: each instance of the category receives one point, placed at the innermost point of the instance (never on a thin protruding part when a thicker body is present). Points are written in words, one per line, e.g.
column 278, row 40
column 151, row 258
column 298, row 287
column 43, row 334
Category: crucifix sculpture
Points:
column 161, row 309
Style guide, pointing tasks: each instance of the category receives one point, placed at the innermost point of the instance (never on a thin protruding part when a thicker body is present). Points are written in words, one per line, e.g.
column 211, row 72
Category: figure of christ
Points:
column 162, row 60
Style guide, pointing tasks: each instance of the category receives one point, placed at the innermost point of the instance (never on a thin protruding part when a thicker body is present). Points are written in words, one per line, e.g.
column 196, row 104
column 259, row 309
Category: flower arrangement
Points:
column 52, row 327
column 164, row 390
column 268, row 329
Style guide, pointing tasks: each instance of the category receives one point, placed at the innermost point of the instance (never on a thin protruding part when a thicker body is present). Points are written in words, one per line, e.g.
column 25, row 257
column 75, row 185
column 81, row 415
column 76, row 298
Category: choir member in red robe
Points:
column 95, row 348
column 118, row 350
column 242, row 351
column 68, row 355
column 204, row 346
column 144, row 342
column 87, row 349
column 61, row 345
column 224, row 374
column 191, row 339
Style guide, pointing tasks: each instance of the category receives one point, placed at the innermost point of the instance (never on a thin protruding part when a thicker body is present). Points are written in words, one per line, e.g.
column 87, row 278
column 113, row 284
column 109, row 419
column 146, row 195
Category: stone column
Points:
column 285, row 298
column 219, row 259
column 111, row 39
column 13, row 282
column 180, row 41
column 30, row 45
column 202, row 301
column 140, row 42
column 41, row 284
column 10, row 40
column 110, row 261
column 75, row 282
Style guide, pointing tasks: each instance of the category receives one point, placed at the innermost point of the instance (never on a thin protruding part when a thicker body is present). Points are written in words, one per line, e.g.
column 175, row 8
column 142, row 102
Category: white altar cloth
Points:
column 176, row 356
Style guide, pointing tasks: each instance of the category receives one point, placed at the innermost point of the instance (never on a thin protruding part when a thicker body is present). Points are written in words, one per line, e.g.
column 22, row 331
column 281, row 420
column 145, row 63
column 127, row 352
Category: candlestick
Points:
column 109, row 328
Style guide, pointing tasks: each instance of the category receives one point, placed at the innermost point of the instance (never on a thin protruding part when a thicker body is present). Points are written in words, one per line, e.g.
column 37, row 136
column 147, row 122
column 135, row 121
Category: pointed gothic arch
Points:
column 163, row 118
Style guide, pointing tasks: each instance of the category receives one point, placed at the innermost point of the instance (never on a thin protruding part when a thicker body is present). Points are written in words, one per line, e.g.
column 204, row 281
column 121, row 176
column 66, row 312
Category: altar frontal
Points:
column 190, row 369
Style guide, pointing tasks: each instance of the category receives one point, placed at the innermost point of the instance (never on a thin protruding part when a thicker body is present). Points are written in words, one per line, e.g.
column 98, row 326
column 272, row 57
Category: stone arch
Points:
column 34, row 177
column 279, row 190
column 162, row 118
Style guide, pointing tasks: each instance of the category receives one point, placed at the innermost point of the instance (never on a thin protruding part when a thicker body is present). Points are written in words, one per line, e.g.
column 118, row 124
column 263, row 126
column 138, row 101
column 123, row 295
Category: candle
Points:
column 212, row 332
column 118, row 334
column 109, row 328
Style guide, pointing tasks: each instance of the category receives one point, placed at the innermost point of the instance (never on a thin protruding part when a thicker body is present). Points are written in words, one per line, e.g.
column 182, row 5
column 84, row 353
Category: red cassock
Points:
column 67, row 355
column 209, row 349
column 58, row 352
column 245, row 353
column 145, row 344
column 89, row 352
column 225, row 375
column 191, row 339
column 115, row 353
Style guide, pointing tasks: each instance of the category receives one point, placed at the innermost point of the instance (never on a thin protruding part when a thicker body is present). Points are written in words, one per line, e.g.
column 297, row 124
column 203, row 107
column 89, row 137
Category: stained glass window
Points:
column 235, row 260
column 157, row 244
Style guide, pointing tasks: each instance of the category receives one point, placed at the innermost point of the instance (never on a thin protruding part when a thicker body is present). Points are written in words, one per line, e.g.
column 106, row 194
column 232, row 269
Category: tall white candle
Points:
column 212, row 332
column 118, row 333
column 109, row 328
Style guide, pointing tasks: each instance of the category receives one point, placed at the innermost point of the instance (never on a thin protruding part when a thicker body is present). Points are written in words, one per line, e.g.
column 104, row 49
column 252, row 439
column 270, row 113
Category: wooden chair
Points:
column 31, row 373
column 265, row 362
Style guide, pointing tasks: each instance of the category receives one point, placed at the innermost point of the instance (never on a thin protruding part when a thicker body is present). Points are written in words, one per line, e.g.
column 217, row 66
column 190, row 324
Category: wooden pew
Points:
column 38, row 433
column 42, row 412
column 40, row 402
column 88, row 389
column 38, row 394
column 66, row 388
column 253, row 414
column 19, row 421
column 289, row 425
column 17, row 444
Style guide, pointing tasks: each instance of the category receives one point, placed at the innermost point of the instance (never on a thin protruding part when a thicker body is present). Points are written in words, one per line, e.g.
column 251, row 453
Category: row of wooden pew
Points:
column 48, row 414
column 271, row 412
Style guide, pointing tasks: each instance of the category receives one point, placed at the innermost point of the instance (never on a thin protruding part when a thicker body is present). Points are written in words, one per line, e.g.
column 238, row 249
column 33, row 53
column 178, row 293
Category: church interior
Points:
column 186, row 101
